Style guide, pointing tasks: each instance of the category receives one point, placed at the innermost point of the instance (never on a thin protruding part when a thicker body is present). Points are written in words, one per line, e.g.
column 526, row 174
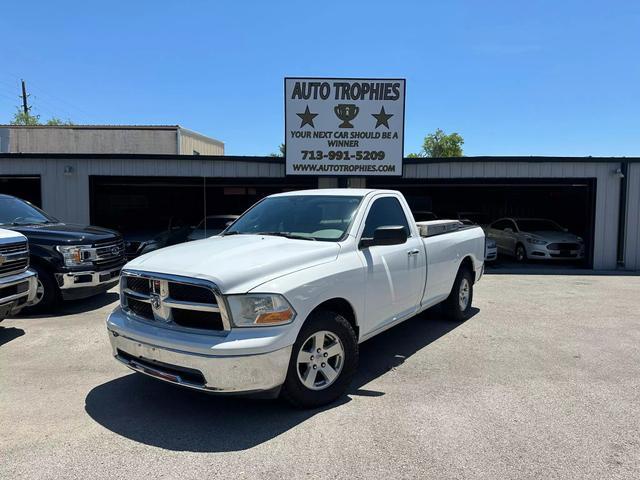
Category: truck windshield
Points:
column 308, row 217
column 14, row 211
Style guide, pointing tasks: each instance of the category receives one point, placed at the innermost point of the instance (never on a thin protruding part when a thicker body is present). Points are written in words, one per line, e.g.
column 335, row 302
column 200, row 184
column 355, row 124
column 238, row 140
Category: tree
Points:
column 25, row 118
column 22, row 118
column 281, row 153
column 58, row 121
column 438, row 144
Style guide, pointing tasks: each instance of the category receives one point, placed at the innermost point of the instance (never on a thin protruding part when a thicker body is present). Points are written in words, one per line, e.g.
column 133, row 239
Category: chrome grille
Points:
column 14, row 258
column 109, row 253
column 563, row 246
column 173, row 301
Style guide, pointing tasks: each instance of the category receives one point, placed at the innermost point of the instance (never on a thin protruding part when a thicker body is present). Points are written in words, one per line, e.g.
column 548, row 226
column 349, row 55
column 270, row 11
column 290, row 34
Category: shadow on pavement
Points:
column 73, row 307
column 159, row 414
column 9, row 333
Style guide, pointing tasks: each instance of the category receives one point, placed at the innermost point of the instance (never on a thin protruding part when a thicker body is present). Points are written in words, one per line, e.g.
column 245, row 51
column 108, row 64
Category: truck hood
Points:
column 237, row 263
column 65, row 233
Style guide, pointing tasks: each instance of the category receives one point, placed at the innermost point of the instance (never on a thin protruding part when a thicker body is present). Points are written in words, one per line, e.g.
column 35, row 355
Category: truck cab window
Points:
column 385, row 212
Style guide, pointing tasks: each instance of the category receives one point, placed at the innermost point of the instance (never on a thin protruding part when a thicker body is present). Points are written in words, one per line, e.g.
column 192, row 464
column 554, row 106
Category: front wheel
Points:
column 458, row 304
column 323, row 361
column 47, row 292
column 521, row 253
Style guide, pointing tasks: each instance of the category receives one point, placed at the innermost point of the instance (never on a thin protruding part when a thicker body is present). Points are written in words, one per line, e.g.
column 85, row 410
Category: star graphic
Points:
column 382, row 118
column 307, row 117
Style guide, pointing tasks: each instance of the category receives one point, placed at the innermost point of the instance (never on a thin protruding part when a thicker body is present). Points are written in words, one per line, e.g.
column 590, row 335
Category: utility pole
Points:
column 25, row 106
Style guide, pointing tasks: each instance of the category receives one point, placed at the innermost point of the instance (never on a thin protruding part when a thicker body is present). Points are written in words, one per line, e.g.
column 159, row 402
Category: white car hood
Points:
column 551, row 236
column 237, row 263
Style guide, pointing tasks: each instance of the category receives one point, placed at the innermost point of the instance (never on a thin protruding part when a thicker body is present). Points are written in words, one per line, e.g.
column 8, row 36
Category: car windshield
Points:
column 308, row 217
column 14, row 211
column 538, row 225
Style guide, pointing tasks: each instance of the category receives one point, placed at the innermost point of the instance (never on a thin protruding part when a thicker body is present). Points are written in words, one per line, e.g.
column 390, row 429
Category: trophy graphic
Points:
column 346, row 112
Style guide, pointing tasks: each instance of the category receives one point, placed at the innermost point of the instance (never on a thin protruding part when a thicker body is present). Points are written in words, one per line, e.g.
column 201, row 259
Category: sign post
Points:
column 338, row 126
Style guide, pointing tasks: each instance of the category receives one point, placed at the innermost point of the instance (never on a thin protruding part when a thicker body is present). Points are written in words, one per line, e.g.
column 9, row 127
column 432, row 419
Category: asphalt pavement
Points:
column 542, row 382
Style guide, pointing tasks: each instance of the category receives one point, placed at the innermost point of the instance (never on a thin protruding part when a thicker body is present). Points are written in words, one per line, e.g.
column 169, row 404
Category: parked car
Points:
column 535, row 238
column 278, row 303
column 72, row 261
column 18, row 283
column 211, row 225
column 482, row 220
column 137, row 244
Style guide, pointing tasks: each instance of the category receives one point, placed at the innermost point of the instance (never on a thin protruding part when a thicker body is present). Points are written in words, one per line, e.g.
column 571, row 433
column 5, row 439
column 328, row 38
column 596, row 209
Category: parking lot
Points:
column 542, row 382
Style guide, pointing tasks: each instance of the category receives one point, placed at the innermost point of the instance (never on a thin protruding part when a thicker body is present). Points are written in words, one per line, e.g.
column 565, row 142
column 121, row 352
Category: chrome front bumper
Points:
column 213, row 373
column 18, row 300
column 87, row 279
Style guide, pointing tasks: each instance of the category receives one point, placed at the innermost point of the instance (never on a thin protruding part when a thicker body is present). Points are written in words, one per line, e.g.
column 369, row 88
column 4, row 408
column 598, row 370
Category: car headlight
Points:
column 535, row 241
column 75, row 255
column 260, row 310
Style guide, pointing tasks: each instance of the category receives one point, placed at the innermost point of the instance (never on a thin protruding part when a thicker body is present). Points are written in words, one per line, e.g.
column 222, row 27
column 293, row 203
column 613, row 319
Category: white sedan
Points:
column 535, row 238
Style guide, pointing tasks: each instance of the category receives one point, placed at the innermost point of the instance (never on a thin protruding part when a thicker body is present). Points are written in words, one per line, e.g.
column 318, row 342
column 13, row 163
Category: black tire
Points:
column 520, row 253
column 50, row 296
column 454, row 307
column 293, row 389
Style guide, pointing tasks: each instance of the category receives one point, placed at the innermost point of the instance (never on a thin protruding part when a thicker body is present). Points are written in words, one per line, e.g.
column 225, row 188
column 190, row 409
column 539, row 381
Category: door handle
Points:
column 415, row 251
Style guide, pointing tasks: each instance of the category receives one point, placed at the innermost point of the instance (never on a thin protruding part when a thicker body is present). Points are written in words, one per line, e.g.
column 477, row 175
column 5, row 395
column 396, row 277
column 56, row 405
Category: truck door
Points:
column 395, row 274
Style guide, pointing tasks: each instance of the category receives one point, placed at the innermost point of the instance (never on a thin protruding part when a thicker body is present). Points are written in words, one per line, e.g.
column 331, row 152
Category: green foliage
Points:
column 22, row 118
column 438, row 144
column 58, row 121
column 281, row 153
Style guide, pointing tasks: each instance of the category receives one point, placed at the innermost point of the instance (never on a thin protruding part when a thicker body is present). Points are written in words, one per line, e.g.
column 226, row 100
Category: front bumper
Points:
column 541, row 252
column 235, row 373
column 17, row 291
column 76, row 285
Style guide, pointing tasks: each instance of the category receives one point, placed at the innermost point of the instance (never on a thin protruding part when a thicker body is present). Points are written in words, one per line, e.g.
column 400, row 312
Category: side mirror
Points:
column 508, row 230
column 229, row 223
column 390, row 235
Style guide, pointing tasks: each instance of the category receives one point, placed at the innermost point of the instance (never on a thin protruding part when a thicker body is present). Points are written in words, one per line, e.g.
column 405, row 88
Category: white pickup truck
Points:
column 18, row 284
column 279, row 301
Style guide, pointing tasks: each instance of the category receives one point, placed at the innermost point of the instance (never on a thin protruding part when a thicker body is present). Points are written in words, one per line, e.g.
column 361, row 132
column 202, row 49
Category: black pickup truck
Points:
column 72, row 261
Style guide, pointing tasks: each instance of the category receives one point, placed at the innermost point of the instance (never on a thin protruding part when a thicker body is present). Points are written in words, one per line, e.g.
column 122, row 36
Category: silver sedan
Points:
column 535, row 238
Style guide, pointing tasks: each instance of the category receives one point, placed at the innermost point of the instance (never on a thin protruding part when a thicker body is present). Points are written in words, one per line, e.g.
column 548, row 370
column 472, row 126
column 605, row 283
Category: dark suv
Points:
column 72, row 261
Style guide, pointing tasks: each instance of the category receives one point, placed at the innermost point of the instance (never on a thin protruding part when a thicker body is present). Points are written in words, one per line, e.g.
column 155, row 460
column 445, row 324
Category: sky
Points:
column 512, row 77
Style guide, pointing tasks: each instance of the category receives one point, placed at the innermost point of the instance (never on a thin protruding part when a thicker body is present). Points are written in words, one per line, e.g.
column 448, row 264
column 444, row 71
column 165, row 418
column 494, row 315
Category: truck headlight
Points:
column 75, row 255
column 535, row 241
column 260, row 310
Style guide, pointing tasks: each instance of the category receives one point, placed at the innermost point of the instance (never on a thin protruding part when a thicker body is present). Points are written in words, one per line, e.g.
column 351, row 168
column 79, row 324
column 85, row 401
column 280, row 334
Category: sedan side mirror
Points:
column 389, row 235
column 508, row 230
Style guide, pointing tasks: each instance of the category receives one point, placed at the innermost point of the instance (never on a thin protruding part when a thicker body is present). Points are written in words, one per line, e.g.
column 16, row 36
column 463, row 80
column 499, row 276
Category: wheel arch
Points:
column 467, row 263
column 340, row 306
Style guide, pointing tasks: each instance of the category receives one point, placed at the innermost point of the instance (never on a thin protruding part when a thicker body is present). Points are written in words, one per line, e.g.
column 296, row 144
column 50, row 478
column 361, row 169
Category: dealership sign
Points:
column 339, row 126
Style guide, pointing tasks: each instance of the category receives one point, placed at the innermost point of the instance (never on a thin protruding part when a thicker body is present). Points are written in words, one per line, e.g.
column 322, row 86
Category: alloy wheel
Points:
column 320, row 360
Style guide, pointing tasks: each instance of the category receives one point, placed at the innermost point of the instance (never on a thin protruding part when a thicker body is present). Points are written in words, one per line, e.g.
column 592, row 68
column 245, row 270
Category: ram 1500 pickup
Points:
column 279, row 301
column 17, row 281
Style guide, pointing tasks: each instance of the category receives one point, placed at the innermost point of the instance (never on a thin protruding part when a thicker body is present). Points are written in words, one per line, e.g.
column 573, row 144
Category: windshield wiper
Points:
column 286, row 235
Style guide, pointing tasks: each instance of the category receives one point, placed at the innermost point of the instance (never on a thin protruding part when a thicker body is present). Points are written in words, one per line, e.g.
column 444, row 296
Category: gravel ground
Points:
column 542, row 382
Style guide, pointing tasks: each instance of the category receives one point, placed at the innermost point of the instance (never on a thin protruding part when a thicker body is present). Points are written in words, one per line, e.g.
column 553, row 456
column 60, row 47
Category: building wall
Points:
column 607, row 190
column 91, row 140
column 632, row 233
column 191, row 142
column 67, row 196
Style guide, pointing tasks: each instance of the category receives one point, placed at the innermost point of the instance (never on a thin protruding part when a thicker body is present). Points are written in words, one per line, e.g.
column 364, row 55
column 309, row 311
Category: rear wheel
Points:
column 458, row 304
column 47, row 294
column 521, row 253
column 323, row 361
